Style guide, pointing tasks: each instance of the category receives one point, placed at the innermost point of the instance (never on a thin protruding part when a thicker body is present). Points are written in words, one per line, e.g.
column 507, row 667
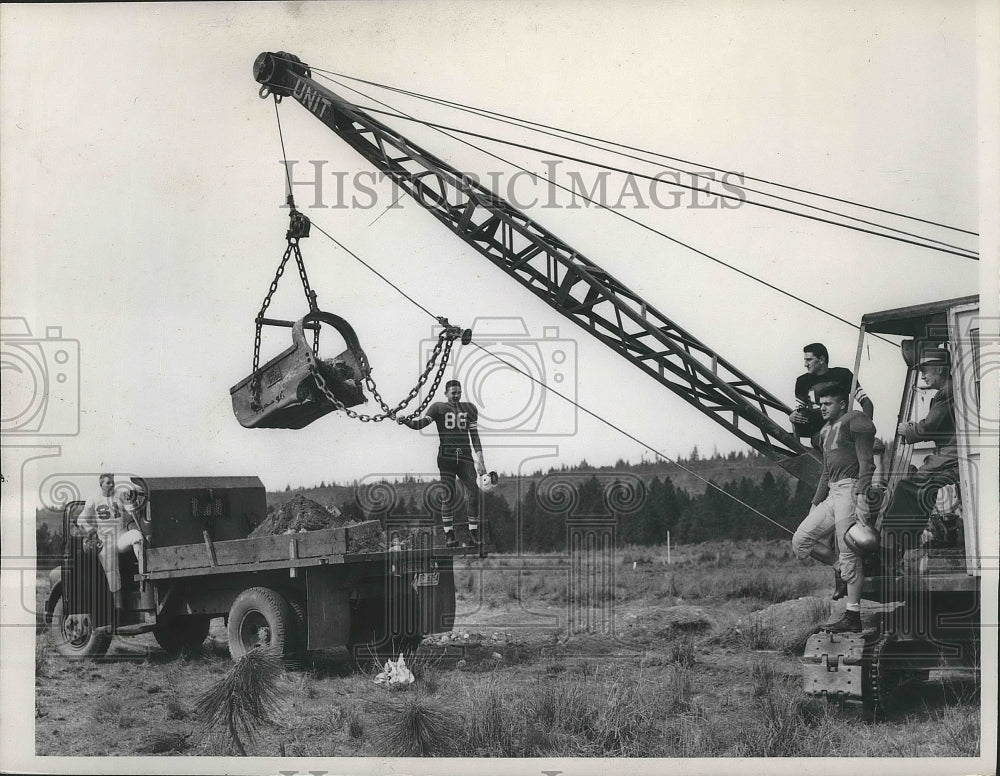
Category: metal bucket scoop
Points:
column 285, row 392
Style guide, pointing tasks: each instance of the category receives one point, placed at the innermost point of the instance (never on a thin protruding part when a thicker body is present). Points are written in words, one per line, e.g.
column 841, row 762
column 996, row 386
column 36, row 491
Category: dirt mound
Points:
column 792, row 617
column 298, row 514
column 654, row 625
column 788, row 624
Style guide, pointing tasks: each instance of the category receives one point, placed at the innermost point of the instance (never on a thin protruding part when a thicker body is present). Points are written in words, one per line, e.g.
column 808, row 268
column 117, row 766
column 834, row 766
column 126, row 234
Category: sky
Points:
column 142, row 188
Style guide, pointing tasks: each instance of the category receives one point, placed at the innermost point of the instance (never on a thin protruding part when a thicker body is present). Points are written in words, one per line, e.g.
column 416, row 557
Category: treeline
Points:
column 633, row 510
column 48, row 546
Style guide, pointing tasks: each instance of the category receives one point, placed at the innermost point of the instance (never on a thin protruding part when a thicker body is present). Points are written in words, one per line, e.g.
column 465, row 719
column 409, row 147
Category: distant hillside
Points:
column 687, row 475
column 529, row 514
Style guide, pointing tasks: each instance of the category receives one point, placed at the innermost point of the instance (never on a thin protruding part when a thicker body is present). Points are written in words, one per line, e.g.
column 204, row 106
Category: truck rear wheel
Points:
column 182, row 632
column 261, row 618
column 75, row 637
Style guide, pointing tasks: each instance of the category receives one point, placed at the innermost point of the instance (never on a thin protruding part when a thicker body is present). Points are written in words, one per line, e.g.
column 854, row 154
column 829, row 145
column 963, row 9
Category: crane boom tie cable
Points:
column 665, row 236
column 533, row 125
column 927, row 242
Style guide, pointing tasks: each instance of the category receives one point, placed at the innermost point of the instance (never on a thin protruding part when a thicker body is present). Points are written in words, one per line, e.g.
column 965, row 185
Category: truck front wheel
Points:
column 182, row 632
column 261, row 618
column 75, row 637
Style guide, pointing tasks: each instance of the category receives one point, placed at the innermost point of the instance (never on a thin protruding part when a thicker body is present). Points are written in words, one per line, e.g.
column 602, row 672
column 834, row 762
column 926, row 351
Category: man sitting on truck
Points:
column 104, row 521
column 847, row 440
column 913, row 499
column 457, row 426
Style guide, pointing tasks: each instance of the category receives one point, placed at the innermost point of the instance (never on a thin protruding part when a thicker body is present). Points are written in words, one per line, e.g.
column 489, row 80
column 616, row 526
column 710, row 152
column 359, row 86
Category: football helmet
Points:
column 862, row 538
column 488, row 482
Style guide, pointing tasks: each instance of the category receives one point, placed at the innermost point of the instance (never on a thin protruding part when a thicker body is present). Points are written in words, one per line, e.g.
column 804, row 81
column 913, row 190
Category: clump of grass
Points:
column 766, row 587
column 244, row 701
column 785, row 724
column 111, row 711
column 681, row 693
column 164, row 743
column 762, row 676
column 961, row 731
column 757, row 635
column 355, row 724
column 175, row 710
column 41, row 657
column 415, row 727
column 105, row 709
column 682, row 652
column 494, row 728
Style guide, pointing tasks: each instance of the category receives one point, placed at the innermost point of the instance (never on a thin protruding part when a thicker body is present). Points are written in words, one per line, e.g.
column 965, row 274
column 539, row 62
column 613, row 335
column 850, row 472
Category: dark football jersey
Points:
column 806, row 385
column 454, row 422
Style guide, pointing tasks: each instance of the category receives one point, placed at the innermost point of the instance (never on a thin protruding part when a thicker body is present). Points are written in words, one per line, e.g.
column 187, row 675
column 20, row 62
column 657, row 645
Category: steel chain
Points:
column 310, row 294
column 293, row 247
column 255, row 383
column 441, row 353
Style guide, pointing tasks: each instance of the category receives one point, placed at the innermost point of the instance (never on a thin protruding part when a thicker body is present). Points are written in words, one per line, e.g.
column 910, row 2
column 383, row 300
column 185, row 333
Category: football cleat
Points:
column 849, row 623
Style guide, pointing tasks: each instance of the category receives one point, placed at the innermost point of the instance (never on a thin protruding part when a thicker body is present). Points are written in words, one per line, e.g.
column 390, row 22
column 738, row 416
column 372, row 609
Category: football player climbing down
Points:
column 457, row 427
column 841, row 497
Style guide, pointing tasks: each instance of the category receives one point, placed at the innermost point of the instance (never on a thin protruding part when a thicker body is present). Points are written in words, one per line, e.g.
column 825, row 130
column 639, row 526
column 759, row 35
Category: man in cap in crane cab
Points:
column 913, row 500
column 841, row 498
column 458, row 431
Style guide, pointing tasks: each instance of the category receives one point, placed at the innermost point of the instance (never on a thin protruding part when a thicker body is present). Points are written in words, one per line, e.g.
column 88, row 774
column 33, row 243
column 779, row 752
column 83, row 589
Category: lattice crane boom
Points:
column 555, row 272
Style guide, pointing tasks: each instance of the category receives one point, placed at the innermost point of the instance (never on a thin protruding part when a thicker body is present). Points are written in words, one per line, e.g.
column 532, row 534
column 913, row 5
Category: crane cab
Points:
column 946, row 554
column 921, row 615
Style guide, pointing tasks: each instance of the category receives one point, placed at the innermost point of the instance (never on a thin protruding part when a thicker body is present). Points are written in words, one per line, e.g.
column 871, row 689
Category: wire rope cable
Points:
column 662, row 234
column 549, row 129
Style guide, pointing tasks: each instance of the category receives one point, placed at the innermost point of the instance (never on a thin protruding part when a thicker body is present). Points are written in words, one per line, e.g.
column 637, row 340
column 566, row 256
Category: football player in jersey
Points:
column 841, row 497
column 806, row 418
column 457, row 426
column 109, row 524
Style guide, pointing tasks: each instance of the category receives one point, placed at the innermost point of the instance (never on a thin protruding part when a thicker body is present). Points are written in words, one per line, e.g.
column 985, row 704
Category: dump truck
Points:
column 310, row 590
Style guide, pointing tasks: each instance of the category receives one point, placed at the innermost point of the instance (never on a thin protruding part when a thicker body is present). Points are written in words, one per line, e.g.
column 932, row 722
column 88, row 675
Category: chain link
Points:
column 440, row 354
column 310, row 294
column 292, row 248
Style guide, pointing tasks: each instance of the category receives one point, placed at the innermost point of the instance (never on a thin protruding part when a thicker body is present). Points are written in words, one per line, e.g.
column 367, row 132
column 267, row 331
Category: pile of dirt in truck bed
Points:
column 298, row 514
column 303, row 514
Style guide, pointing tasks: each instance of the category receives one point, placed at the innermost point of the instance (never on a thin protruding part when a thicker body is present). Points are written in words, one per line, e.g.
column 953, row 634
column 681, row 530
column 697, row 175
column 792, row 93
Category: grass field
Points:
column 627, row 657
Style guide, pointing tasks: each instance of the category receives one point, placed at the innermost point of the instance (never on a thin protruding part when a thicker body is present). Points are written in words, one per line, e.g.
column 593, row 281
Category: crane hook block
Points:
column 297, row 387
column 298, row 225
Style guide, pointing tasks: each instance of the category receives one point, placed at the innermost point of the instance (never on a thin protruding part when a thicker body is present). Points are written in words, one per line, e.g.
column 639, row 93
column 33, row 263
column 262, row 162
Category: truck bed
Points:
column 287, row 551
